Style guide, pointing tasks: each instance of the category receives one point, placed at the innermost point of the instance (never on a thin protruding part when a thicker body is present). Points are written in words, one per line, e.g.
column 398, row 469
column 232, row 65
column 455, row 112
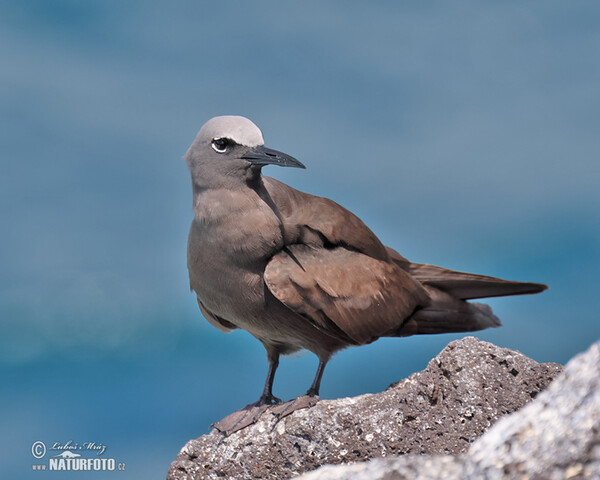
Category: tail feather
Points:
column 448, row 311
column 447, row 314
column 469, row 285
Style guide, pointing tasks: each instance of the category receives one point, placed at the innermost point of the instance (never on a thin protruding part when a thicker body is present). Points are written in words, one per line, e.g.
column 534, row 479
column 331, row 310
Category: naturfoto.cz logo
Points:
column 69, row 457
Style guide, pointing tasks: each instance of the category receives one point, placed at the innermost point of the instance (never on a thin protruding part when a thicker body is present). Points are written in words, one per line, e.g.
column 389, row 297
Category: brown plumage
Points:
column 299, row 271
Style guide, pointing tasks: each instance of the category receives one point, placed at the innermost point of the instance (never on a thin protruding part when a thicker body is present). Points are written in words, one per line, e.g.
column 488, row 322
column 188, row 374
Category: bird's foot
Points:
column 246, row 416
column 266, row 399
column 298, row 403
column 250, row 414
column 241, row 419
column 312, row 392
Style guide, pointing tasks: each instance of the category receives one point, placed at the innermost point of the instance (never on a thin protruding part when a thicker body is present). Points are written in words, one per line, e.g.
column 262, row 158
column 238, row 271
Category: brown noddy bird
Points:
column 299, row 271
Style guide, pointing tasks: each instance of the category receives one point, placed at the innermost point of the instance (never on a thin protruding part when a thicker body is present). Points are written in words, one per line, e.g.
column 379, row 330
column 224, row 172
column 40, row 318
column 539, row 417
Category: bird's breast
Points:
column 238, row 224
column 232, row 238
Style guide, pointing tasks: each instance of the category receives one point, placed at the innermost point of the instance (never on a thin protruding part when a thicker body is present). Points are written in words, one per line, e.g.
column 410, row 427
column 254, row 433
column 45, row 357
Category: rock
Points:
column 408, row 467
column 557, row 436
column 440, row 410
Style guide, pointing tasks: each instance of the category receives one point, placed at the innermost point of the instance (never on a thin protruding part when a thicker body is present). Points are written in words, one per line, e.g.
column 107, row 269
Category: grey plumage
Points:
column 299, row 271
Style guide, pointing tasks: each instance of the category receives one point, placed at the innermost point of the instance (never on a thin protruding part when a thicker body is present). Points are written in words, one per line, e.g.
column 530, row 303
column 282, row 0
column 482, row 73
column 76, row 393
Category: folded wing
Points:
column 463, row 285
column 346, row 292
column 469, row 285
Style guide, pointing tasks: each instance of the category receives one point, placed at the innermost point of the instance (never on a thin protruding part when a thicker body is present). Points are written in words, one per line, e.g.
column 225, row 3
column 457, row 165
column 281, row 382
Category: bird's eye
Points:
column 220, row 145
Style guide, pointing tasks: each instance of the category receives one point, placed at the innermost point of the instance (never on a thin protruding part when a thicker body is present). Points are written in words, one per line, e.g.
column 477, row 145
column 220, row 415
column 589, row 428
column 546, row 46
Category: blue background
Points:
column 465, row 134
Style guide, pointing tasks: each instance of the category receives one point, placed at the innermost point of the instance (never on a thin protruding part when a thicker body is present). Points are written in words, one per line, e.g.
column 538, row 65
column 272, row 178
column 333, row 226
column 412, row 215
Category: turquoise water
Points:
column 463, row 135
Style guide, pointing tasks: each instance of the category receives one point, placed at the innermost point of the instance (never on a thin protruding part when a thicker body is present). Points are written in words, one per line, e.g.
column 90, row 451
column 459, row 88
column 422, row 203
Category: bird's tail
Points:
column 448, row 290
column 446, row 314
column 470, row 285
column 463, row 285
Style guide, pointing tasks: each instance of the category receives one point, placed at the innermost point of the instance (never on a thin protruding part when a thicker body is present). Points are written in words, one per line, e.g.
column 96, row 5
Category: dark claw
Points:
column 312, row 392
column 267, row 400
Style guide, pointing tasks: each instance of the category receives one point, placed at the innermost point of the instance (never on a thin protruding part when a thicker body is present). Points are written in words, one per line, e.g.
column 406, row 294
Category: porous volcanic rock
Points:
column 555, row 437
column 440, row 410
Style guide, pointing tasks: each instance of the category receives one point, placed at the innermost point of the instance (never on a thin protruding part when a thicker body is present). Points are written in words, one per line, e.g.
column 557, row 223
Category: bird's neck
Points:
column 251, row 183
column 228, row 180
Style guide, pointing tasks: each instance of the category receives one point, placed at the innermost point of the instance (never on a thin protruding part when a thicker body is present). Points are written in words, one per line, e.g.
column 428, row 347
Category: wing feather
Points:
column 363, row 297
column 314, row 220
column 470, row 285
column 215, row 320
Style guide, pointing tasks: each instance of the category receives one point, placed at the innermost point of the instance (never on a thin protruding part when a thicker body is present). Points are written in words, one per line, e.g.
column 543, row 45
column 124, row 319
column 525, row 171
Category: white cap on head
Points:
column 239, row 129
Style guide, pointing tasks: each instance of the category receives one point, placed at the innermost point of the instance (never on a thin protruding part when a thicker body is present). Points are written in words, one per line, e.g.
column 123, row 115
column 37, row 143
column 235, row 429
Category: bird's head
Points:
column 230, row 148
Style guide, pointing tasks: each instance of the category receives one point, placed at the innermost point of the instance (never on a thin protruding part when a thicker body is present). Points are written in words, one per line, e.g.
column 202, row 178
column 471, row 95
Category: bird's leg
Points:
column 313, row 391
column 267, row 397
column 250, row 413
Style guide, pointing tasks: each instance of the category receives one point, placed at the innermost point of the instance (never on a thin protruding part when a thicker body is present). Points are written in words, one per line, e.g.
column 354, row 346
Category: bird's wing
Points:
column 344, row 290
column 314, row 220
column 398, row 259
column 215, row 320
column 462, row 285
column 469, row 285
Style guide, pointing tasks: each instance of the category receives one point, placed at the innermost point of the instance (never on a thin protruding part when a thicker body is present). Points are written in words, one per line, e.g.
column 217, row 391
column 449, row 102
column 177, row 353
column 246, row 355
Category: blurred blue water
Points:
column 463, row 134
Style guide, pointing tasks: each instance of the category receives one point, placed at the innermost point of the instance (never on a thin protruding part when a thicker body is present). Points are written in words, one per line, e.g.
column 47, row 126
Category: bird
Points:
column 301, row 272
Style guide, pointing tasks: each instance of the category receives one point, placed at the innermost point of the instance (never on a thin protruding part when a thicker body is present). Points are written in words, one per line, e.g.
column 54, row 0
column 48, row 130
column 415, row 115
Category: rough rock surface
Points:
column 441, row 410
column 557, row 436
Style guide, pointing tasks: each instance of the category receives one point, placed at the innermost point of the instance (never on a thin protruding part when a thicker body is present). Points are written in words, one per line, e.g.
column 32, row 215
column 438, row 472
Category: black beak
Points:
column 262, row 155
